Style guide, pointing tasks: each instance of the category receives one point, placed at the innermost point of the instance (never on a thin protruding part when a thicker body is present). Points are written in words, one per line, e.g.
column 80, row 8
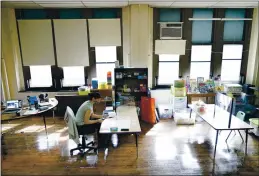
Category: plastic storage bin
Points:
column 254, row 122
column 182, row 117
column 179, row 92
column 179, row 102
column 83, row 90
column 95, row 83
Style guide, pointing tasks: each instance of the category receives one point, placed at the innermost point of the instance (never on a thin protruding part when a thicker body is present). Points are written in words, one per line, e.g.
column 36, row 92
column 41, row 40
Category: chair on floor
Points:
column 241, row 115
column 75, row 135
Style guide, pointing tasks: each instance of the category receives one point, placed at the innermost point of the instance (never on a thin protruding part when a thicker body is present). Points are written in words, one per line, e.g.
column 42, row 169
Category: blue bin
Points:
column 95, row 84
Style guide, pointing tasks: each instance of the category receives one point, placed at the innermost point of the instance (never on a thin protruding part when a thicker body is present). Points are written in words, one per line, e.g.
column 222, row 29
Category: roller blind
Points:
column 233, row 30
column 170, row 47
column 202, row 30
column 71, row 42
column 36, row 42
column 104, row 32
column 169, row 15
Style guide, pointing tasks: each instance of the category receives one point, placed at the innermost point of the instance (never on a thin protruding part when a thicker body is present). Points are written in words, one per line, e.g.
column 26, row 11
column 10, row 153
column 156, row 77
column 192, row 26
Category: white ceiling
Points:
column 122, row 3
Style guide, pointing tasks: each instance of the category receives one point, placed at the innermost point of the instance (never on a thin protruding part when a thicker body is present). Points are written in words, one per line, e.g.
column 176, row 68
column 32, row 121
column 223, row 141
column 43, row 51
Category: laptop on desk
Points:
column 12, row 106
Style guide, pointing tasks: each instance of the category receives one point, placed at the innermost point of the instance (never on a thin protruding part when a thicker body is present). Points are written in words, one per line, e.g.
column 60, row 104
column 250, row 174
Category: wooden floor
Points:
column 164, row 149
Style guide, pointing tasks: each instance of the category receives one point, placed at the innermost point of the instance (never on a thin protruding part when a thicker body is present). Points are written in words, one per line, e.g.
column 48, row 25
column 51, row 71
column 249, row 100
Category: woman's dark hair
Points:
column 94, row 95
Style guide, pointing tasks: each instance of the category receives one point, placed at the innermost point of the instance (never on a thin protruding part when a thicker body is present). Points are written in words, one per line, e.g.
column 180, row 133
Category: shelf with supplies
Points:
column 130, row 83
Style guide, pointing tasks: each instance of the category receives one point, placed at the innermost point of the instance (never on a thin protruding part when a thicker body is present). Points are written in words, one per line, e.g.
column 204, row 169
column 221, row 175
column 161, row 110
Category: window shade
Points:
column 34, row 14
column 233, row 30
column 36, row 42
column 104, row 32
column 170, row 47
column 202, row 30
column 169, row 15
column 70, row 14
column 71, row 42
column 99, row 13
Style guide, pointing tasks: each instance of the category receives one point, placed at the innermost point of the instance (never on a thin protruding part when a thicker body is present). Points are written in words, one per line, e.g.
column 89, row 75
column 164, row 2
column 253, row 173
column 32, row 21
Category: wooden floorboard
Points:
column 164, row 149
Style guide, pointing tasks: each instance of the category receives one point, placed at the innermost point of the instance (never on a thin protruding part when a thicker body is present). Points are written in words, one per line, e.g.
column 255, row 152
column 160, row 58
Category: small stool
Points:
column 254, row 122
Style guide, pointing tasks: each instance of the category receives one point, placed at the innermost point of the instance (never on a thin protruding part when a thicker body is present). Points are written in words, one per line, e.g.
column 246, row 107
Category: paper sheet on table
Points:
column 45, row 104
column 123, row 124
column 109, row 108
column 30, row 112
column 112, row 114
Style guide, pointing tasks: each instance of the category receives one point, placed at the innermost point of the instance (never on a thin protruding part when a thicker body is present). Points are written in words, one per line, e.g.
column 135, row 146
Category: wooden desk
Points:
column 52, row 101
column 218, row 119
column 124, row 114
column 74, row 101
column 207, row 95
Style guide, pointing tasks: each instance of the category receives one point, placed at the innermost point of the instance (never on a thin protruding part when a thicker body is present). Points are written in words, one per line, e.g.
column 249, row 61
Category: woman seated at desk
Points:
column 88, row 122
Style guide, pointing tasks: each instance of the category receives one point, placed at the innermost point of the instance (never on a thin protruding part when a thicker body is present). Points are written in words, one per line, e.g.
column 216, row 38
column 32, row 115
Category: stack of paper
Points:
column 30, row 112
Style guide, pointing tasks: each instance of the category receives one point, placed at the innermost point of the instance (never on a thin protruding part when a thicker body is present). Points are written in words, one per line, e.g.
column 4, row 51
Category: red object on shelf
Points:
column 147, row 109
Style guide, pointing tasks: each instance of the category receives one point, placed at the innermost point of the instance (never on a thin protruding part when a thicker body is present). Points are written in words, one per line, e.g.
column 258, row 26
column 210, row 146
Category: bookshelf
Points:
column 130, row 85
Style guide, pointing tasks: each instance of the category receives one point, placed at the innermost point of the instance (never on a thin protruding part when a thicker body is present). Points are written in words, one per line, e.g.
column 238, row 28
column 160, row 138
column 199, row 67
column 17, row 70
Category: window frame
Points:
column 27, row 77
column 70, row 88
column 241, row 59
column 207, row 44
column 166, row 85
column 96, row 63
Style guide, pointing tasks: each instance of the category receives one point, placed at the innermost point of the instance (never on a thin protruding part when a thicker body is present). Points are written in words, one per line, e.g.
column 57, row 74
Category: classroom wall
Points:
column 253, row 63
column 137, row 23
column 11, row 59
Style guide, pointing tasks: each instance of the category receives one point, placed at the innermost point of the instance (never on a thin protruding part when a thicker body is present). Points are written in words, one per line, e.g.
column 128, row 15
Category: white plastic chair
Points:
column 241, row 115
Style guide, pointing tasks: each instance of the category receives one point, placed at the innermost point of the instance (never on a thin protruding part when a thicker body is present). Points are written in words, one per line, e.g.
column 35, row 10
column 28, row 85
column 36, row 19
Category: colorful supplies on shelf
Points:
column 232, row 88
column 203, row 87
column 210, row 85
column 193, row 85
column 109, row 80
column 94, row 83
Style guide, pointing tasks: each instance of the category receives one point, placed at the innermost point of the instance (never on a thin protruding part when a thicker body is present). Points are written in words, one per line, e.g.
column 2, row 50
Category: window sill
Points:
column 39, row 91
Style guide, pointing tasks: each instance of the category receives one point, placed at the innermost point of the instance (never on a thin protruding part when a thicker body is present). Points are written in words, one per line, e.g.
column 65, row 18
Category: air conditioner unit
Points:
column 171, row 30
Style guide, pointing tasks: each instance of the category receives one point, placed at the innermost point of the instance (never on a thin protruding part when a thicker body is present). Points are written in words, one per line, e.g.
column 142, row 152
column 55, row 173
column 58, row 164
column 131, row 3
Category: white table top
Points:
column 126, row 117
column 221, row 119
column 52, row 101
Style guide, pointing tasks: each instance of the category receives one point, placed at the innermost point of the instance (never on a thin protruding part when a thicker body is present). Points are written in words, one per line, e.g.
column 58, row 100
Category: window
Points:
column 168, row 69
column 231, row 59
column 40, row 76
column 233, row 29
column 73, row 76
column 105, row 61
column 202, row 29
column 200, row 61
column 169, row 15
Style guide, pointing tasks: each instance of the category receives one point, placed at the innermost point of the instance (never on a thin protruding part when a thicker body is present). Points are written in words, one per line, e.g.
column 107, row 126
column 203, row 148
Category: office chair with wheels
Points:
column 75, row 135
column 241, row 115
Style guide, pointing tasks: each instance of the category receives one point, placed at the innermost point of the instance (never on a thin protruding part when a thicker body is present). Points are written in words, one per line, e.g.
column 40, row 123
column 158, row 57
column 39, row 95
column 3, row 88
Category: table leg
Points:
column 191, row 113
column 53, row 115
column 136, row 137
column 207, row 100
column 44, row 120
column 216, row 144
column 246, row 141
column 240, row 136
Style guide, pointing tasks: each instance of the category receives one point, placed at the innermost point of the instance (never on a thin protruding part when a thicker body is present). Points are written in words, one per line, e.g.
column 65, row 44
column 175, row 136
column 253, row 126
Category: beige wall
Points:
column 11, row 54
column 137, row 23
column 252, row 66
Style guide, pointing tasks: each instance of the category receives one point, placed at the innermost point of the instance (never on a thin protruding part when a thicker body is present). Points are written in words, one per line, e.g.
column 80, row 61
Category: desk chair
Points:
column 70, row 120
column 241, row 115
